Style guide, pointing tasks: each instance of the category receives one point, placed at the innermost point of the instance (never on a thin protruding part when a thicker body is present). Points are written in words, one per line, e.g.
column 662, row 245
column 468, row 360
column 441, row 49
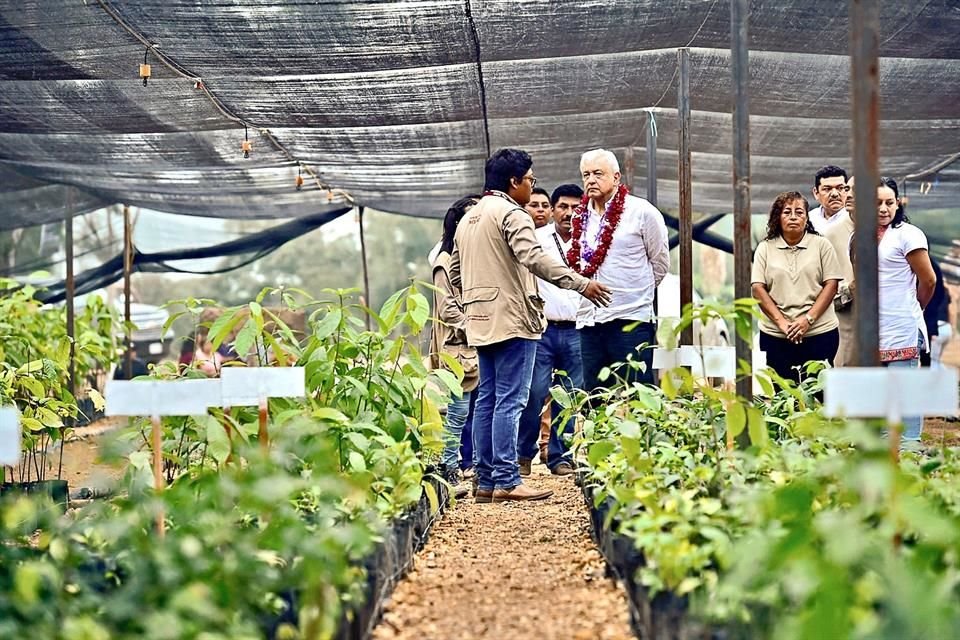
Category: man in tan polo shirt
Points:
column 495, row 251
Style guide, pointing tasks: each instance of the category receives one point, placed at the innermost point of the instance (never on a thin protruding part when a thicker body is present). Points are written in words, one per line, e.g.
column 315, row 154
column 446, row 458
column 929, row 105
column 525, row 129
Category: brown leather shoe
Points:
column 520, row 492
column 563, row 469
column 483, row 495
column 525, row 466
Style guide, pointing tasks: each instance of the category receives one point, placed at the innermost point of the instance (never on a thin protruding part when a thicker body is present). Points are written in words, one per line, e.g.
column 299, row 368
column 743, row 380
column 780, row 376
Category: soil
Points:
column 941, row 432
column 82, row 464
column 512, row 570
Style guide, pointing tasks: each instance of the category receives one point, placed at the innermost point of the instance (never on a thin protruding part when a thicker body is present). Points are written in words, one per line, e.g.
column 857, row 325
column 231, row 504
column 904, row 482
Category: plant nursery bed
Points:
column 660, row 617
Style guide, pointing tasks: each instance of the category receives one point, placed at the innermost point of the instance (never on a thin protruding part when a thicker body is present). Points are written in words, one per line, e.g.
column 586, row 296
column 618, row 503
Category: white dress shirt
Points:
column 559, row 304
column 638, row 259
column 821, row 222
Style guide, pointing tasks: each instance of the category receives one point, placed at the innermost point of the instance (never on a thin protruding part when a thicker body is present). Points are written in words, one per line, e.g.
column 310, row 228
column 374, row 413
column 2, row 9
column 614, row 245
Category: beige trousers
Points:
column 848, row 344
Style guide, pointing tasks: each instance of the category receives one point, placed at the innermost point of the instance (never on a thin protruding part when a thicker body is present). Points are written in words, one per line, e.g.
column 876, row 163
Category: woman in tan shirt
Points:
column 795, row 276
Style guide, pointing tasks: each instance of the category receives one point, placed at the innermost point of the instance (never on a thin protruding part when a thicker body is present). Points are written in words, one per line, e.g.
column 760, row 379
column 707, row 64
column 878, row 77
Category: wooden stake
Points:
column 263, row 435
column 158, row 482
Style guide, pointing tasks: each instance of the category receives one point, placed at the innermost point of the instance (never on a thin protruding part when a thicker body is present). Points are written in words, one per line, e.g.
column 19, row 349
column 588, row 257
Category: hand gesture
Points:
column 597, row 293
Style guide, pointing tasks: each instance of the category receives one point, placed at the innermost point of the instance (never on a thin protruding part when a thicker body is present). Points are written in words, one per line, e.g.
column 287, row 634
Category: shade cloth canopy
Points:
column 396, row 104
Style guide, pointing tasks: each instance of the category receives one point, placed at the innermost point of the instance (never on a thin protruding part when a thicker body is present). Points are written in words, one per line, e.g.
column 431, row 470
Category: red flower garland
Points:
column 609, row 223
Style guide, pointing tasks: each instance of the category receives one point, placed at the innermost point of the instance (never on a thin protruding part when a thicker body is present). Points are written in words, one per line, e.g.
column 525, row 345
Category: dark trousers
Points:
column 786, row 358
column 603, row 345
column 466, row 436
column 558, row 350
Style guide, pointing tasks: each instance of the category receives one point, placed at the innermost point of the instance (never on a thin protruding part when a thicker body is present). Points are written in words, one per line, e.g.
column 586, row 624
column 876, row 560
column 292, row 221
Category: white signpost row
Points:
column 237, row 386
column 711, row 362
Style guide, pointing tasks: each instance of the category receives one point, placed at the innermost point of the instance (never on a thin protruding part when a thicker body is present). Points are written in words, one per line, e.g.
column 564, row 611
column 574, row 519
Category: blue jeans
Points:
column 458, row 412
column 558, row 349
column 913, row 426
column 606, row 343
column 506, row 369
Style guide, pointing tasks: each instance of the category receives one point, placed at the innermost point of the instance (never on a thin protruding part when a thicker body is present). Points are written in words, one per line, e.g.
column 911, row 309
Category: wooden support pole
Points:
column 686, row 189
column 742, row 233
column 366, row 272
column 865, row 80
column 651, row 158
column 71, row 316
column 127, row 269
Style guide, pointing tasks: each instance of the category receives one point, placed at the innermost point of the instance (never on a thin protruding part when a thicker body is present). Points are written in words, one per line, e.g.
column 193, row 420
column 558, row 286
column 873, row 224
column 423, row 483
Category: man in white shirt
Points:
column 830, row 190
column 621, row 241
column 558, row 349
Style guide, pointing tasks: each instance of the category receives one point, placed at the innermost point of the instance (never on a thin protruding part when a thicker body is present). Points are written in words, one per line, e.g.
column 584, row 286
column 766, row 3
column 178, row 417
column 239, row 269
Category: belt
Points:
column 562, row 324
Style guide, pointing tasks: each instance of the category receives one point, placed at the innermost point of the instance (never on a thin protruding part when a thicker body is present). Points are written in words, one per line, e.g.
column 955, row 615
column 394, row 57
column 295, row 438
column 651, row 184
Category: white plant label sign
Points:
column 247, row 386
column 892, row 393
column 9, row 436
column 161, row 397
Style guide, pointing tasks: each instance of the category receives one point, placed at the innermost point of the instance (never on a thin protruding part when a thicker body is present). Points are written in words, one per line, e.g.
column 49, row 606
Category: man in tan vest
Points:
column 495, row 251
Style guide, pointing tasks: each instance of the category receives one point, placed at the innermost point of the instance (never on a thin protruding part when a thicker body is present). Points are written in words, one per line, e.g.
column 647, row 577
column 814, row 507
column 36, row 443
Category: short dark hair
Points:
column 774, row 228
column 829, row 171
column 901, row 215
column 541, row 191
column 450, row 221
column 566, row 191
column 503, row 165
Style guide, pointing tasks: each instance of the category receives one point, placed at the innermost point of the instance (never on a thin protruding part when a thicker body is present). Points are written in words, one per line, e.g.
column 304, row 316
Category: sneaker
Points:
column 521, row 492
column 525, row 466
column 563, row 469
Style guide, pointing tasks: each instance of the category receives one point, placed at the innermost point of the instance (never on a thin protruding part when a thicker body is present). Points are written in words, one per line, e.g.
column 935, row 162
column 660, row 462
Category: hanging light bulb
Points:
column 145, row 68
column 245, row 146
column 299, row 180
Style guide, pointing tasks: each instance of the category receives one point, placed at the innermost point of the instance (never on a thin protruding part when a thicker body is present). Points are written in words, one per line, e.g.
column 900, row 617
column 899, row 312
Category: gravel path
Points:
column 510, row 571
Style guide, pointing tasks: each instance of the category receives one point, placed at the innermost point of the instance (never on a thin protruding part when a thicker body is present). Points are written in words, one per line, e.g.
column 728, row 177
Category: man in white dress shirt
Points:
column 830, row 190
column 622, row 242
column 558, row 349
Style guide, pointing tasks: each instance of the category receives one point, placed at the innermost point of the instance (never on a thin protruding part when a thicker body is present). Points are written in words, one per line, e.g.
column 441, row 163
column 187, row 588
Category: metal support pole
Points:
column 127, row 268
column 865, row 81
column 366, row 273
column 71, row 316
column 629, row 168
column 686, row 189
column 742, row 244
column 651, row 158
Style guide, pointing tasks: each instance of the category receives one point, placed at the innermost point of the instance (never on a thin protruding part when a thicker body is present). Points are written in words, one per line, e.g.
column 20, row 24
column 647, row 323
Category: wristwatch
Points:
column 810, row 319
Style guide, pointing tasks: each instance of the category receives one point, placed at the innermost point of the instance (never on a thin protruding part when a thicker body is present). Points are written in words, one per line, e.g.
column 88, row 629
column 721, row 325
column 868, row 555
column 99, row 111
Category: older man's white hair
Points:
column 601, row 155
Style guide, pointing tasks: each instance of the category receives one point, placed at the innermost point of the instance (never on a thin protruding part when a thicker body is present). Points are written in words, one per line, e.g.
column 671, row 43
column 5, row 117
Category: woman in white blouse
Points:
column 906, row 282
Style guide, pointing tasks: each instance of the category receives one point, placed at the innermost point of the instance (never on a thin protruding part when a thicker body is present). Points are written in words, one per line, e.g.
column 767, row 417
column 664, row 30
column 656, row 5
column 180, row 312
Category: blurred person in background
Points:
column 449, row 336
column 539, row 207
column 795, row 275
column 840, row 236
column 906, row 285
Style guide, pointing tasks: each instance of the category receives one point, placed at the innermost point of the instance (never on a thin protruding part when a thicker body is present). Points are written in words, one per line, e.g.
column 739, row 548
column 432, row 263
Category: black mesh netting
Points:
column 395, row 105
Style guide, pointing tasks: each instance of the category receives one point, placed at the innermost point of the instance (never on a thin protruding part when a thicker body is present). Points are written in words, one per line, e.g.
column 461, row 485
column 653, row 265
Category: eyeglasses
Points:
column 841, row 188
column 793, row 214
column 533, row 181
